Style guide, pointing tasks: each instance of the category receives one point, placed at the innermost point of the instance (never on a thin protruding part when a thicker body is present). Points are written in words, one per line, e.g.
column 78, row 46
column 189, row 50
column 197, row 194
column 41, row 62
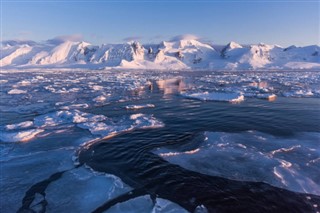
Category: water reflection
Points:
column 173, row 85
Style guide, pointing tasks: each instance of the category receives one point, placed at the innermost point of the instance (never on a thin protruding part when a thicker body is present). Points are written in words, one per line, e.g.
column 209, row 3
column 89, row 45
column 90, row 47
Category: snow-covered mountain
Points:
column 176, row 54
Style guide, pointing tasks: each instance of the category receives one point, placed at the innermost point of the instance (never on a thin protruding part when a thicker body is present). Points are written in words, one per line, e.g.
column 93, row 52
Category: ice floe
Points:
column 144, row 204
column 215, row 96
column 109, row 127
column 16, row 92
column 63, row 117
column 288, row 162
column 100, row 98
column 20, row 136
column 103, row 129
column 83, row 191
column 22, row 125
column 145, row 121
column 270, row 97
column 141, row 106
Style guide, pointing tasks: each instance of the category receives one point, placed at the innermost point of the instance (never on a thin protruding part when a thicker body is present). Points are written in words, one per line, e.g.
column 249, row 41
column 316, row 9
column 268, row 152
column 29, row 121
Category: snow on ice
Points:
column 287, row 162
column 216, row 96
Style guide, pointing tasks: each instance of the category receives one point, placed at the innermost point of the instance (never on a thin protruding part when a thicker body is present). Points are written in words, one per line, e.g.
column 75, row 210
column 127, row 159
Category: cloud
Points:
column 184, row 37
column 132, row 38
column 63, row 38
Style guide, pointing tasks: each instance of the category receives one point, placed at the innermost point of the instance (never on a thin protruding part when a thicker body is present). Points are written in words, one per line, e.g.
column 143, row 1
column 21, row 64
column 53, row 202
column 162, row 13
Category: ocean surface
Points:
column 151, row 141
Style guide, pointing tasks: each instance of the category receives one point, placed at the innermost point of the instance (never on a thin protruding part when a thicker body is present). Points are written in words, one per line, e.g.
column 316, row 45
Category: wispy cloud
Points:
column 62, row 38
column 184, row 37
column 132, row 38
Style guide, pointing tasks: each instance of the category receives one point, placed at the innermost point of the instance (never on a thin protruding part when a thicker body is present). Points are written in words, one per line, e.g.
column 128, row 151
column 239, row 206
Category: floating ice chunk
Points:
column 287, row 162
column 103, row 129
column 83, row 191
column 38, row 165
column 298, row 93
column 22, row 125
column 100, row 98
column 166, row 206
column 64, row 117
column 136, row 116
column 135, row 121
column 141, row 204
column 97, row 87
column 132, row 107
column 145, row 121
column 3, row 81
column 215, row 96
column 73, row 106
column 16, row 92
column 270, row 97
column 24, row 83
column 21, row 136
column 145, row 204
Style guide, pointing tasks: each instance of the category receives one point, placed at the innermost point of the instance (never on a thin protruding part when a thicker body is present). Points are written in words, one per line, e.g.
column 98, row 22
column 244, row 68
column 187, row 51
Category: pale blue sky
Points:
column 283, row 22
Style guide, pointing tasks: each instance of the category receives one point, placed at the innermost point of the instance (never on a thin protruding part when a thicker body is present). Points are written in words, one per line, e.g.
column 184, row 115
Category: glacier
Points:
column 184, row 54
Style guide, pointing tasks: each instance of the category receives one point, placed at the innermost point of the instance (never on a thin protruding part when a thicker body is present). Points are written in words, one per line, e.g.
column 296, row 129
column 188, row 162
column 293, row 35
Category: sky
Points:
column 282, row 22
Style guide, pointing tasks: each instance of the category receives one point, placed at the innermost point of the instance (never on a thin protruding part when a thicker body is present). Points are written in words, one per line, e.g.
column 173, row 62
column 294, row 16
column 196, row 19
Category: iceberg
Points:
column 215, row 96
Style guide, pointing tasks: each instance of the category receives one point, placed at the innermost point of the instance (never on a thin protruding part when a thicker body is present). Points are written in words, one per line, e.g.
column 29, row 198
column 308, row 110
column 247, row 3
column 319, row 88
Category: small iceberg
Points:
column 133, row 107
column 16, row 92
column 215, row 96
column 269, row 97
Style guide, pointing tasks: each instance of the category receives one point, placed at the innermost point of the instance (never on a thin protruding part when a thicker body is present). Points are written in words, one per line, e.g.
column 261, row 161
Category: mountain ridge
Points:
column 173, row 55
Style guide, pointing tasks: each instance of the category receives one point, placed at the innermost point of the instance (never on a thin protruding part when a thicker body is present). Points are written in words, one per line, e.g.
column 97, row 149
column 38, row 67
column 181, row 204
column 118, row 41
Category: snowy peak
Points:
column 182, row 53
column 230, row 46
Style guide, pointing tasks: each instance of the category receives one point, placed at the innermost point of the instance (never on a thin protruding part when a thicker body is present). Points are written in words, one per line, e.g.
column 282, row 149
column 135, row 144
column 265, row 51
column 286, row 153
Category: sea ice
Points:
column 36, row 166
column 287, row 162
column 141, row 106
column 63, row 117
column 22, row 125
column 16, row 92
column 100, row 98
column 103, row 129
column 144, row 204
column 20, row 136
column 269, row 97
column 83, row 191
column 142, row 121
column 215, row 96
column 109, row 127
